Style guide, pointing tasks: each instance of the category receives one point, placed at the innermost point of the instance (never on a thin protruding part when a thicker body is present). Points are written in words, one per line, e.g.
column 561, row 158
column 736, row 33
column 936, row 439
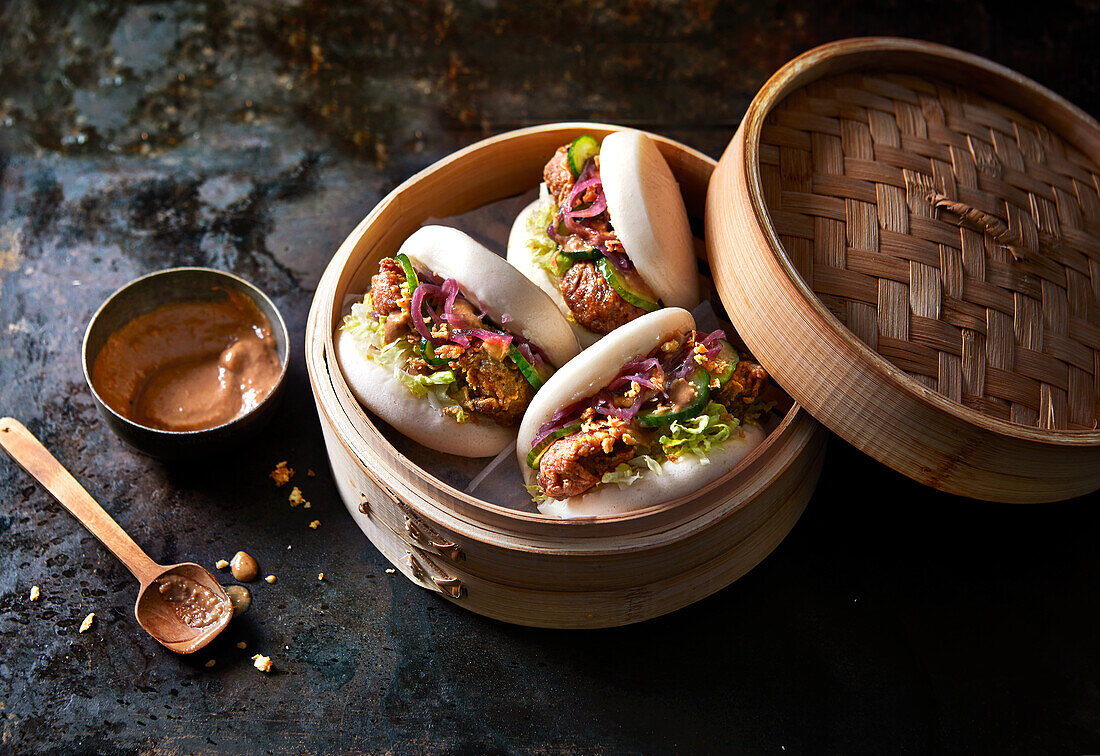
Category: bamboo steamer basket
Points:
column 523, row 567
column 924, row 227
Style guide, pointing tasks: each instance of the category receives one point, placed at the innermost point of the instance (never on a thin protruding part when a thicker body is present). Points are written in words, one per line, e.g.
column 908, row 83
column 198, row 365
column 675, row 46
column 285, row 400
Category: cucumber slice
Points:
column 536, row 453
column 699, row 379
column 623, row 290
column 580, row 152
column 584, row 254
column 728, row 355
column 410, row 274
column 526, row 368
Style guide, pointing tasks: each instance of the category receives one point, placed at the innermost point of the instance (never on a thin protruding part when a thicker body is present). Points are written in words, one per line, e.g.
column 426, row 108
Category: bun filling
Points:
column 444, row 347
column 574, row 241
column 687, row 397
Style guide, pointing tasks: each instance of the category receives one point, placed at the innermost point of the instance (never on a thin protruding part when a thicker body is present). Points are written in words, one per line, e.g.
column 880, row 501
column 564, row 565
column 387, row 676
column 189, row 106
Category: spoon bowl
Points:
column 181, row 605
column 185, row 607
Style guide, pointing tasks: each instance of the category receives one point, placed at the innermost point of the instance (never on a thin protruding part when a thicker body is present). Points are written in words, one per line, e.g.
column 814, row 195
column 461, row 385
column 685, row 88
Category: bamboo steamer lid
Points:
column 908, row 238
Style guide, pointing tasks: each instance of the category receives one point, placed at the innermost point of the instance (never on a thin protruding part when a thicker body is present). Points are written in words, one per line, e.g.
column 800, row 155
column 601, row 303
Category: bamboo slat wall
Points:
column 953, row 235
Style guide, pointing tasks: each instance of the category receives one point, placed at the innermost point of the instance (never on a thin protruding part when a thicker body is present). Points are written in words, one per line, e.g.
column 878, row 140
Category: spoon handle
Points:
column 32, row 456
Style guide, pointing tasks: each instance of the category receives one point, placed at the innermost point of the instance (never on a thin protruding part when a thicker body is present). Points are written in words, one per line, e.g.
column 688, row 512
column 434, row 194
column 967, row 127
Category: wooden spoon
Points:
column 181, row 605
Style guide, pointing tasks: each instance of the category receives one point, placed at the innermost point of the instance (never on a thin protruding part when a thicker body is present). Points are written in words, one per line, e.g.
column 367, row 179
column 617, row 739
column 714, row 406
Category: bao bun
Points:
column 375, row 387
column 648, row 214
column 507, row 298
column 587, row 375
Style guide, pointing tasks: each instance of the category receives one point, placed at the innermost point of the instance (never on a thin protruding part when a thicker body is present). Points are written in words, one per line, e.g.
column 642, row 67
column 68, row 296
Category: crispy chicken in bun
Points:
column 652, row 412
column 608, row 238
column 450, row 343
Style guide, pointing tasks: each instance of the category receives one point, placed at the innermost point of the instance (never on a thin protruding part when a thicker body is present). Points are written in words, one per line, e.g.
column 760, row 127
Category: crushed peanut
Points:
column 315, row 524
column 242, row 644
column 262, row 663
column 282, row 474
column 210, row 663
column 35, row 593
column 87, row 623
column 221, row 564
column 271, row 578
column 295, row 497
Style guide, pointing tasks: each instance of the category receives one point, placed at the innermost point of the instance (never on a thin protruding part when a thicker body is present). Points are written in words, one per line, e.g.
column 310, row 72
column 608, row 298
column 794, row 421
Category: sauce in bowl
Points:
column 189, row 366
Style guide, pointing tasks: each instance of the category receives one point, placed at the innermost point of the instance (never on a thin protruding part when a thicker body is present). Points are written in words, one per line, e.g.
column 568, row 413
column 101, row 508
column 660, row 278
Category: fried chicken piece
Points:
column 386, row 288
column 557, row 175
column 744, row 385
column 492, row 387
column 574, row 464
column 594, row 304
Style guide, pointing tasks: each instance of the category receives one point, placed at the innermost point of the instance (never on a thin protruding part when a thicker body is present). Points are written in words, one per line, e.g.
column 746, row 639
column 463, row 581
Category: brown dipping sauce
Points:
column 244, row 567
column 194, row 605
column 189, row 365
column 239, row 597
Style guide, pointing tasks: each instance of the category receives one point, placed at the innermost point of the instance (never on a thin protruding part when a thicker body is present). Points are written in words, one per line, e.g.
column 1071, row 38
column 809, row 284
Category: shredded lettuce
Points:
column 700, row 434
column 544, row 250
column 369, row 334
column 538, row 496
column 629, row 472
column 696, row 437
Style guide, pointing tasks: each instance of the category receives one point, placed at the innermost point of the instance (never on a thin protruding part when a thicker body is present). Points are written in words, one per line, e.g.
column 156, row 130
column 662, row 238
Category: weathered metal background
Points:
column 252, row 136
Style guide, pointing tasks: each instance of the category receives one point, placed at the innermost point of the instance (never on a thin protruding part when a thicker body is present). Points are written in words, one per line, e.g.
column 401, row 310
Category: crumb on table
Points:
column 282, row 474
column 242, row 644
column 315, row 524
column 320, row 576
column 310, row 473
column 221, row 564
column 210, row 663
column 262, row 663
column 35, row 593
column 87, row 623
column 296, row 497
column 271, row 578
column 390, row 570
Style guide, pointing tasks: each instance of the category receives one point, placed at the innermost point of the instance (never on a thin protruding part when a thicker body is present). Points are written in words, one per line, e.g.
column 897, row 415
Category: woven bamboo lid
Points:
column 908, row 238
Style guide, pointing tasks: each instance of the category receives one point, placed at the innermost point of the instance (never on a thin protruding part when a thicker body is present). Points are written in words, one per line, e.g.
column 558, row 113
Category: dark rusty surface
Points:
column 252, row 136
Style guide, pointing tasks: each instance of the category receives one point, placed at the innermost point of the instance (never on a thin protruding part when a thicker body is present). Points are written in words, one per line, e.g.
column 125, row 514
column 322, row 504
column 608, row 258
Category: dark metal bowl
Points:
column 146, row 294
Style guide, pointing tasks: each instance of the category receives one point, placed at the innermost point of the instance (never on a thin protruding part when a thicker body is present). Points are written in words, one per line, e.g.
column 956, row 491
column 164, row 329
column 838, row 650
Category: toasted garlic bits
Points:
column 262, row 663
column 282, row 474
column 35, row 593
column 271, row 578
column 221, row 564
column 87, row 623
